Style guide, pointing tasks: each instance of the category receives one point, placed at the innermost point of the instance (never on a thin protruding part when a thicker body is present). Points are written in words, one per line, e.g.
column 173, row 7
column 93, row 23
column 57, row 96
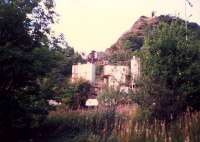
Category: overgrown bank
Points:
column 110, row 126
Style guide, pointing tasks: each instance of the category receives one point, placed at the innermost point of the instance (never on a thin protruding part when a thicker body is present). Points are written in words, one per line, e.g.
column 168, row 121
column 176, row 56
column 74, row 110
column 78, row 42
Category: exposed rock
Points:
column 136, row 32
column 134, row 37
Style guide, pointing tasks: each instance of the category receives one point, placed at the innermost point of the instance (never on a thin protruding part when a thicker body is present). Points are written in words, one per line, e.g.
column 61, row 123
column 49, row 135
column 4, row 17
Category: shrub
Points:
column 113, row 97
column 76, row 94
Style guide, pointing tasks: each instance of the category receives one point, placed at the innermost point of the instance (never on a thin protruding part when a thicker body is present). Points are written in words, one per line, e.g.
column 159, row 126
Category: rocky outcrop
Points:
column 135, row 35
column 133, row 39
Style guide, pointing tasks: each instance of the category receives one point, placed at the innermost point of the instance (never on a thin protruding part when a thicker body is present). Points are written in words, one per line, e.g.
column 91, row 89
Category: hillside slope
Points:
column 134, row 37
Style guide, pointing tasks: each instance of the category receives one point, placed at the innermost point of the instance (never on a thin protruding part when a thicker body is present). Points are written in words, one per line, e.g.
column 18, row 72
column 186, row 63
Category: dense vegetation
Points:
column 109, row 125
column 171, row 71
column 33, row 66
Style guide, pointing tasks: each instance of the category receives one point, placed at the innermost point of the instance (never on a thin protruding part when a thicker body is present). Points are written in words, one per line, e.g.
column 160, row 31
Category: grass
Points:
column 117, row 125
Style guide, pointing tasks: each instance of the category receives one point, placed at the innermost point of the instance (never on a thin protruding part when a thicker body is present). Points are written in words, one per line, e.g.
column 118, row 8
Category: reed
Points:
column 112, row 125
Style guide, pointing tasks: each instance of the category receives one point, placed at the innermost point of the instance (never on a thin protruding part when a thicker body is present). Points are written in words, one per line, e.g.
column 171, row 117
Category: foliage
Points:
column 30, row 65
column 120, row 57
column 183, row 129
column 91, row 57
column 80, row 125
column 112, row 97
column 99, row 69
column 75, row 94
column 133, row 42
column 58, row 79
column 105, row 125
column 171, row 71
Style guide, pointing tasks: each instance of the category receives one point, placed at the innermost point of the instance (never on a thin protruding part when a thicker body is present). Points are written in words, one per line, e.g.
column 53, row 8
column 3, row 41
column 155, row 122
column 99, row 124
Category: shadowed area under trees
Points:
column 32, row 66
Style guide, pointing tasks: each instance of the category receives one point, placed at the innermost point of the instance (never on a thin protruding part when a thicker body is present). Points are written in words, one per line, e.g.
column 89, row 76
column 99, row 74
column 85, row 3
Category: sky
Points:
column 97, row 24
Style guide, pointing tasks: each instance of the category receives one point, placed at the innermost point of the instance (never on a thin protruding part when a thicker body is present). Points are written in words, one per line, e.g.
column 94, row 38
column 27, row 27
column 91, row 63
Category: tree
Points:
column 172, row 67
column 133, row 42
column 25, row 61
column 120, row 56
column 91, row 57
column 76, row 94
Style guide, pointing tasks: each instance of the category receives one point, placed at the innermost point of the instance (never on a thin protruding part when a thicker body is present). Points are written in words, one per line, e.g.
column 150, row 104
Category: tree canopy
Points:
column 171, row 70
column 32, row 65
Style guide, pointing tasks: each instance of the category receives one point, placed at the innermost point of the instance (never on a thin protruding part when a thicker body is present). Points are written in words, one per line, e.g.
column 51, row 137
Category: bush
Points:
column 76, row 94
column 112, row 97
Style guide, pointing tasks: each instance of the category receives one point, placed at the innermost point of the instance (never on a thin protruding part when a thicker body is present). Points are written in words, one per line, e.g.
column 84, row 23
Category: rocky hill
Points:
column 134, row 37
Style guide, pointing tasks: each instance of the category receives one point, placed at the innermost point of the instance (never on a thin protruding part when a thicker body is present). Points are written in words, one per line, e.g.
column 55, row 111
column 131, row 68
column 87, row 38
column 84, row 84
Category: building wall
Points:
column 117, row 75
column 135, row 69
column 84, row 71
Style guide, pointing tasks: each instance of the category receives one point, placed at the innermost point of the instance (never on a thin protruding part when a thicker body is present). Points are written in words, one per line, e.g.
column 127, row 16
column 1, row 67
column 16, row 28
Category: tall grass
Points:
column 113, row 125
column 185, row 129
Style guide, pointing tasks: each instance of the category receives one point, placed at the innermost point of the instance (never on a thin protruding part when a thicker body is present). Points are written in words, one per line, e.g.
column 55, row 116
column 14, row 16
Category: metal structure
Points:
column 186, row 25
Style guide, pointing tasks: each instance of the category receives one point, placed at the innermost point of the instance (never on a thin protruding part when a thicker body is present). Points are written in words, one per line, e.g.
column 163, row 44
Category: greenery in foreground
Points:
column 109, row 125
column 33, row 67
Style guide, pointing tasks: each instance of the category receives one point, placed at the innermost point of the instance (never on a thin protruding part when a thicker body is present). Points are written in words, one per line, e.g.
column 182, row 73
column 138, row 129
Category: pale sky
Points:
column 97, row 24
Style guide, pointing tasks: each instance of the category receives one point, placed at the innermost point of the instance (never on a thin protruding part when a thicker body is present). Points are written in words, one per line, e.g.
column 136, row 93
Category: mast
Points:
column 186, row 24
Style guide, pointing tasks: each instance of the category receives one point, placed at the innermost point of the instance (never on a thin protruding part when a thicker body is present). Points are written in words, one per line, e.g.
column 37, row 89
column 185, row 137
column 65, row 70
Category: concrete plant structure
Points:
column 121, row 77
column 84, row 71
column 135, row 70
column 116, row 75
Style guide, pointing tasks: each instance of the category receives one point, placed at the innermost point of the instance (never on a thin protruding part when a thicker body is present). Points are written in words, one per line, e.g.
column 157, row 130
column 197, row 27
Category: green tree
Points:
column 120, row 56
column 171, row 70
column 133, row 42
column 76, row 94
column 25, row 61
